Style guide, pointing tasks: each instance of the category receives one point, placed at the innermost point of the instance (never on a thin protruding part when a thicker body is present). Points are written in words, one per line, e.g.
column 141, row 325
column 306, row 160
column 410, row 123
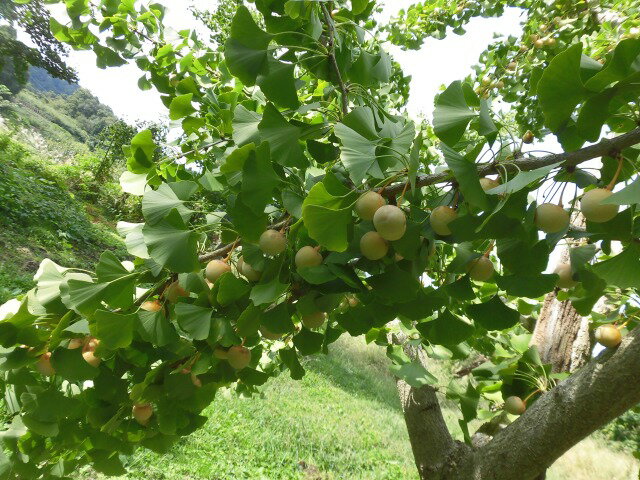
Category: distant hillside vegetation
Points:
column 41, row 80
column 60, row 159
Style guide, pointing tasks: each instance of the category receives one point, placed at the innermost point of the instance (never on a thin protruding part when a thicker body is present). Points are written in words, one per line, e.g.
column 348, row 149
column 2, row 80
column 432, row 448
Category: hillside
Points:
column 50, row 202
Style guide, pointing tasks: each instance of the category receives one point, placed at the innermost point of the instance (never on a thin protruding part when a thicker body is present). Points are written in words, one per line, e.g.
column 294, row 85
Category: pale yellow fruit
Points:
column 486, row 81
column 314, row 320
column 499, row 84
column 151, row 306
column 248, row 271
column 608, row 335
column 513, row 65
column 215, row 269
column 440, row 218
column 514, row 406
column 563, row 270
column 480, row 269
column 373, row 246
column 551, row 218
column 272, row 242
column 368, row 204
column 488, row 183
column 593, row 210
column 308, row 257
column 43, row 365
column 142, row 413
column 238, row 357
column 528, row 137
column 91, row 358
column 550, row 42
column 390, row 222
column 175, row 291
column 75, row 343
column 269, row 335
column 538, row 43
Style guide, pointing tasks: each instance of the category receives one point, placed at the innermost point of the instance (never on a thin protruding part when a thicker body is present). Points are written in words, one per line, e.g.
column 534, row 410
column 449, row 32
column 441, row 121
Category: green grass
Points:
column 343, row 420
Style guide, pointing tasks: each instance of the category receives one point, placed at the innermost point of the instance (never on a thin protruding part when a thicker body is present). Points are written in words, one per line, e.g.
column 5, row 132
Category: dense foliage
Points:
column 31, row 17
column 349, row 216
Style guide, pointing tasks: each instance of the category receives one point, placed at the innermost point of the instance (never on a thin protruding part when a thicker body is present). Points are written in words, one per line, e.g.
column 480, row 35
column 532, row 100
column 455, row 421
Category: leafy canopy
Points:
column 288, row 117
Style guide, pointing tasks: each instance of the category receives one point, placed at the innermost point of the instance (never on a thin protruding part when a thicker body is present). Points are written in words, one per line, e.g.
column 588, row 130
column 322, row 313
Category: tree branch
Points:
column 606, row 146
column 429, row 436
column 223, row 250
column 344, row 92
column 593, row 396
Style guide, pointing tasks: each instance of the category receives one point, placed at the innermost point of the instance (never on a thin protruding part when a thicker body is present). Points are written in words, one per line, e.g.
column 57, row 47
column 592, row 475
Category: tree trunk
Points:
column 596, row 394
column 561, row 334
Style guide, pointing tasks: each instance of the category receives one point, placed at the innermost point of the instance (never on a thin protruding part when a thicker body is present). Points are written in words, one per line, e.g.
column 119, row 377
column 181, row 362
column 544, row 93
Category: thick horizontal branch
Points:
column 606, row 146
column 593, row 396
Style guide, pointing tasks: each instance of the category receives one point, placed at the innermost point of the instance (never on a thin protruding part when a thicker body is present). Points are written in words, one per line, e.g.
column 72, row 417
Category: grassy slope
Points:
column 343, row 420
column 39, row 218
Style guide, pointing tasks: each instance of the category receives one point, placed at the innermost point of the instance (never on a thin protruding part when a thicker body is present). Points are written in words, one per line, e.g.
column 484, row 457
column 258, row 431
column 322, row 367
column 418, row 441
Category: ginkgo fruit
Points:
column 215, row 269
column 75, row 343
column 90, row 357
column 550, row 42
column 513, row 65
column 528, row 137
column 538, row 43
column 88, row 352
column 368, row 204
column 142, row 413
column 272, row 242
column 151, row 306
column 373, row 246
column 238, row 356
column 488, row 183
column 248, row 271
column 308, row 257
column 175, row 291
column 480, row 269
column 565, row 280
column 314, row 320
column 441, row 217
column 390, row 222
column 269, row 335
column 592, row 208
column 551, row 218
column 608, row 335
column 43, row 365
column 514, row 405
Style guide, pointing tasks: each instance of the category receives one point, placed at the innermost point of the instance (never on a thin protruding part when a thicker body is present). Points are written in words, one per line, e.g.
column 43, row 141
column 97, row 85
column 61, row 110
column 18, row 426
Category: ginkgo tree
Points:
column 301, row 203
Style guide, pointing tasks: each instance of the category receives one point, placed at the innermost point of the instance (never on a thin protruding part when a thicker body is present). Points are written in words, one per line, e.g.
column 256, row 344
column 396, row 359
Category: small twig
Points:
column 332, row 58
column 223, row 250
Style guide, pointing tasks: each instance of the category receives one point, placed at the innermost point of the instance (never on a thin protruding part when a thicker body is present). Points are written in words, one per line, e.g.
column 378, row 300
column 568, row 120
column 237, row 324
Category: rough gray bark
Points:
column 555, row 335
column 596, row 394
column 561, row 334
column 430, row 439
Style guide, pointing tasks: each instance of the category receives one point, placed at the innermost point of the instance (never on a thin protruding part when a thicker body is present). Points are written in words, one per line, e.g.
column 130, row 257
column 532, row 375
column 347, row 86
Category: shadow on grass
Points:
column 360, row 382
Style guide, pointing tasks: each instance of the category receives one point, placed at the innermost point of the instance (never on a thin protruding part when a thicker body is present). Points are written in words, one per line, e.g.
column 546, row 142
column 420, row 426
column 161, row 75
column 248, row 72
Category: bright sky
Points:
column 438, row 62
